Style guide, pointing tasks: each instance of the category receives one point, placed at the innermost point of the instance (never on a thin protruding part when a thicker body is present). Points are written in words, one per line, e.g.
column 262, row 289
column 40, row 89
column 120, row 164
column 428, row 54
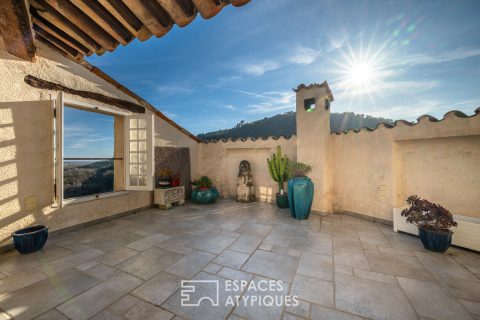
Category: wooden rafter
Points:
column 151, row 14
column 16, row 29
column 181, row 13
column 59, row 34
column 84, row 22
column 55, row 18
column 208, row 8
column 105, row 20
column 57, row 43
column 122, row 104
column 126, row 17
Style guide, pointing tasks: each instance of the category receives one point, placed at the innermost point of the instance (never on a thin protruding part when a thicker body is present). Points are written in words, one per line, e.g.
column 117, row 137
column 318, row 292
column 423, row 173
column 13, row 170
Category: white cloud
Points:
column 408, row 112
column 169, row 114
column 343, row 88
column 337, row 42
column 303, row 55
column 434, row 58
column 273, row 102
column 230, row 107
column 171, row 89
column 258, row 69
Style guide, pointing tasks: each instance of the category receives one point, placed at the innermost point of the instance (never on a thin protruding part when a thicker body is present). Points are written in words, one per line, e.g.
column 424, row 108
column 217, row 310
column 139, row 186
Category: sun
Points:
column 361, row 74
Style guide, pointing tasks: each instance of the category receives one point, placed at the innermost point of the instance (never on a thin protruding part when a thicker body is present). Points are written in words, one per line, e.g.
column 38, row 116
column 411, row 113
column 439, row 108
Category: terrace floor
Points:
column 341, row 267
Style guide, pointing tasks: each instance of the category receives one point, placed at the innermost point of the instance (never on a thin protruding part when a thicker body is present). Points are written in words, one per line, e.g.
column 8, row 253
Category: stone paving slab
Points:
column 100, row 297
column 341, row 267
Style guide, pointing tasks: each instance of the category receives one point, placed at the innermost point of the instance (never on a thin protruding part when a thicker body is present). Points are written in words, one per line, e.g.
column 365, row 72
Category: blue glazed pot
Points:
column 205, row 196
column 30, row 239
column 300, row 197
column 438, row 241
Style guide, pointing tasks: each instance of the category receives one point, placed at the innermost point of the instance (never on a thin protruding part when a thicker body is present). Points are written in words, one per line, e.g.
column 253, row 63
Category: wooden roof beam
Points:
column 152, row 15
column 105, row 20
column 122, row 104
column 16, row 30
column 55, row 18
column 178, row 10
column 126, row 17
column 58, row 43
column 59, row 34
column 239, row 3
column 208, row 8
column 80, row 19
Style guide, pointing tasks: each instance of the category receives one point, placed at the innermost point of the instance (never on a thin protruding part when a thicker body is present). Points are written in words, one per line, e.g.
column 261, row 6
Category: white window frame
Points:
column 59, row 104
column 150, row 140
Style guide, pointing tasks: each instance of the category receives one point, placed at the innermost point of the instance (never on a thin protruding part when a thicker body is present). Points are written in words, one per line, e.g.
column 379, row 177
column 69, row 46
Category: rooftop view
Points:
column 239, row 159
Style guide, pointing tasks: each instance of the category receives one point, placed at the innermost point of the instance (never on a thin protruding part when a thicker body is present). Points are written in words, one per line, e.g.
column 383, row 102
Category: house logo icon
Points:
column 195, row 292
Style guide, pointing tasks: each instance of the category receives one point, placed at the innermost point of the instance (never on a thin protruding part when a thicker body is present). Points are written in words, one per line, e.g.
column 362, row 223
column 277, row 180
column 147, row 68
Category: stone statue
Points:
column 245, row 188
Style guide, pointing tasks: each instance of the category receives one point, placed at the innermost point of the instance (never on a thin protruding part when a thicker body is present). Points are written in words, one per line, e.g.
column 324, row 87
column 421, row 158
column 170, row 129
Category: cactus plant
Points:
column 277, row 166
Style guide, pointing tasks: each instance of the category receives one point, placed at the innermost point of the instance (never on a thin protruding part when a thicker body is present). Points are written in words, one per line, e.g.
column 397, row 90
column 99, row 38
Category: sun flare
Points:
column 361, row 74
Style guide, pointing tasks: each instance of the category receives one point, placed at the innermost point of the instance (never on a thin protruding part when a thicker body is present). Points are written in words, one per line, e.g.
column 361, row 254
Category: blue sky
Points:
column 396, row 59
column 87, row 134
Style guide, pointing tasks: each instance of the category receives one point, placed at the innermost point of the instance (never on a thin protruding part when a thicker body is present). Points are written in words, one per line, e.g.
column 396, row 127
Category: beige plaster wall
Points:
column 220, row 161
column 375, row 171
column 26, row 150
column 314, row 145
column 363, row 173
column 443, row 170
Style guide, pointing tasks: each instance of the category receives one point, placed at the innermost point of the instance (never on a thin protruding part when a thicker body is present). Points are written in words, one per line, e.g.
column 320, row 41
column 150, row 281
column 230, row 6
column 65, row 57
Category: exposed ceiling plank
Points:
column 80, row 19
column 49, row 14
column 121, row 12
column 122, row 104
column 105, row 20
column 208, row 8
column 16, row 29
column 177, row 10
column 152, row 15
column 53, row 30
column 239, row 3
column 58, row 43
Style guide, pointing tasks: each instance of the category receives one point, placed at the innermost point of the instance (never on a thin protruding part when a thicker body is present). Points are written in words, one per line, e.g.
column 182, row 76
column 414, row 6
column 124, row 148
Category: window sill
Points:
column 93, row 197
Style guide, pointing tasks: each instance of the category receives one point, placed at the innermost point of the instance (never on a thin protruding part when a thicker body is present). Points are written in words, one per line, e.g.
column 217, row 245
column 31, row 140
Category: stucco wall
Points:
column 26, row 150
column 314, row 145
column 375, row 172
column 220, row 161
column 362, row 173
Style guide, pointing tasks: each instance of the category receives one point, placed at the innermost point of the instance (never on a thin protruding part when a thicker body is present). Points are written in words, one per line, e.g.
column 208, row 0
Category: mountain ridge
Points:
column 284, row 124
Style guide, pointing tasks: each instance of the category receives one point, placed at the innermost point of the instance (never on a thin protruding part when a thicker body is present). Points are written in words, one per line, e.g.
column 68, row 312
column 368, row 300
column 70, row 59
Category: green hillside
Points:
column 285, row 125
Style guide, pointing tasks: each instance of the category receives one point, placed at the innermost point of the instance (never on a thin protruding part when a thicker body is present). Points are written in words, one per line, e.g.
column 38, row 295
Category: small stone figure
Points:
column 245, row 188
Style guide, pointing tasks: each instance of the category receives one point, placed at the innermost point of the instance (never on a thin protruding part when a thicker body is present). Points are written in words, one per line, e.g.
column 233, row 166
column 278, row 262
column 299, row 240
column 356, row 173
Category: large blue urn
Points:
column 300, row 197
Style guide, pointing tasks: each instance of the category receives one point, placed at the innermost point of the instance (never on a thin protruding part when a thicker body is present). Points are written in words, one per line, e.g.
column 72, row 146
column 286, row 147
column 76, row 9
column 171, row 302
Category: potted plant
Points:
column 164, row 178
column 30, row 239
column 300, row 190
column 277, row 166
column 175, row 180
column 204, row 192
column 433, row 222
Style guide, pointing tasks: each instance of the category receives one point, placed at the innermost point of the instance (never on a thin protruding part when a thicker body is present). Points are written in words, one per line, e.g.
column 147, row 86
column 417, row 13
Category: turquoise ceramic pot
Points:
column 205, row 196
column 300, row 197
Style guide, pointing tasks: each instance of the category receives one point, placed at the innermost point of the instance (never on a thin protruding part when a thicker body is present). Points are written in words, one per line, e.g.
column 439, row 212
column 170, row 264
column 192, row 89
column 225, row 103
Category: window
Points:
column 309, row 104
column 139, row 168
column 99, row 150
column 88, row 163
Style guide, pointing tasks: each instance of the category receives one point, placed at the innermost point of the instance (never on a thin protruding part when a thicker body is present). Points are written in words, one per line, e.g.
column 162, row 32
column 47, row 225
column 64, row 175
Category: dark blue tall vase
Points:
column 300, row 197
